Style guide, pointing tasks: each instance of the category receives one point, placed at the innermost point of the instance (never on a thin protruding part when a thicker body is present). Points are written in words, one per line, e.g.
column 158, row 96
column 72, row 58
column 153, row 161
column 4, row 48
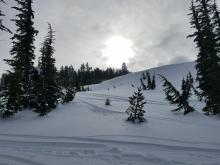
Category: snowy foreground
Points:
column 89, row 133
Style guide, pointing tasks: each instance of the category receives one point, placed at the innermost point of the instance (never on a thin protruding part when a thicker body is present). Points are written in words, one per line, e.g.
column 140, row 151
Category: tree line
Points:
column 86, row 75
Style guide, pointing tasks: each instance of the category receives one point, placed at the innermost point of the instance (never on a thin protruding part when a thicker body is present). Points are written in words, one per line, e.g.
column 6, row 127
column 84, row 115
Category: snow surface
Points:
column 86, row 132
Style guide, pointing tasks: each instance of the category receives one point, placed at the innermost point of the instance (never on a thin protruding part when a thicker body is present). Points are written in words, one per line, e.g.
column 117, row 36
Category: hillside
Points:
column 174, row 73
column 88, row 132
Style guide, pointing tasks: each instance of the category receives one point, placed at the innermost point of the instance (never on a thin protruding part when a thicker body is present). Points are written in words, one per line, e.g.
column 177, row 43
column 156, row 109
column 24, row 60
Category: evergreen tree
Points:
column 198, row 39
column 143, row 85
column 216, row 25
column 205, row 19
column 3, row 81
column 23, row 49
column 68, row 95
column 149, row 82
column 197, row 93
column 153, row 83
column 47, row 89
column 175, row 97
column 135, row 111
column 35, row 77
column 10, row 102
column 2, row 27
column 72, row 77
column 78, row 88
column 124, row 69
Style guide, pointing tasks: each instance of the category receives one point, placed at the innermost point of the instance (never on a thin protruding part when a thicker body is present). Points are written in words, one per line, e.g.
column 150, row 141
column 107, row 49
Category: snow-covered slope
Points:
column 173, row 72
column 89, row 133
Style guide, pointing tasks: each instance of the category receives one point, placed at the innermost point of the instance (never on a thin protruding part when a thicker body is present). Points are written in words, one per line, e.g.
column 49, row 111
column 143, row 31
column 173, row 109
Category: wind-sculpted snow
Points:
column 87, row 132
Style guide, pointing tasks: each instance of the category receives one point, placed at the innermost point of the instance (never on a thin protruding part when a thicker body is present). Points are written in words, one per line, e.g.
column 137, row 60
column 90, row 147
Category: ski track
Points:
column 89, row 148
column 93, row 138
column 17, row 160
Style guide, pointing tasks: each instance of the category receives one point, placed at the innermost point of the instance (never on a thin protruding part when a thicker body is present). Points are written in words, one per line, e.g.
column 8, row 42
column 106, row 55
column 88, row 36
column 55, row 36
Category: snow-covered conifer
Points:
column 179, row 98
column 68, row 95
column 48, row 91
column 136, row 110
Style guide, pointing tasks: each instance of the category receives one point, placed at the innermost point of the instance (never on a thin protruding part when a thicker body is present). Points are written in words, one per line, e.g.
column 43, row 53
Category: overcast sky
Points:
column 157, row 29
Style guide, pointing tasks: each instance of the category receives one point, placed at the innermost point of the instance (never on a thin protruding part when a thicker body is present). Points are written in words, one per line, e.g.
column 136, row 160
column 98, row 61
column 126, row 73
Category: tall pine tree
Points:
column 47, row 88
column 22, row 51
column 204, row 19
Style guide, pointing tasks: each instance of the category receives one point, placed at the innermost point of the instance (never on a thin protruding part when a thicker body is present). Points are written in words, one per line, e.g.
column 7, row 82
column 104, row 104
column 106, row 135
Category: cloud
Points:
column 158, row 29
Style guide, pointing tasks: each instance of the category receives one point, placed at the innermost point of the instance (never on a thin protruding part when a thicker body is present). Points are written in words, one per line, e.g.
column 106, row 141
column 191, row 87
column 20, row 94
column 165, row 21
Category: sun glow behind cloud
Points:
column 118, row 50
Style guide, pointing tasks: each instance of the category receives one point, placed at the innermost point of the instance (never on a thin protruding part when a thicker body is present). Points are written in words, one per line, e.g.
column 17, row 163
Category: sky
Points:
column 153, row 31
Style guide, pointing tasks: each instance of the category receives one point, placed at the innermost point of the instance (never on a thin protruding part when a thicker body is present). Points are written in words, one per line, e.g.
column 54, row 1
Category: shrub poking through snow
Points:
column 107, row 101
column 179, row 98
column 135, row 111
